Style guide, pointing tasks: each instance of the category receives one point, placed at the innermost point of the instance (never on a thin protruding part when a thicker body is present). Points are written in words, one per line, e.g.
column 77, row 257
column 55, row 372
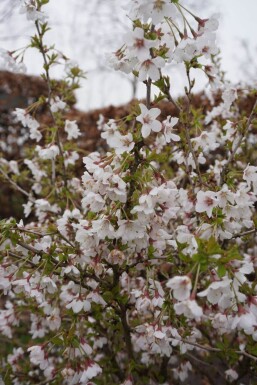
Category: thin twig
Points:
column 35, row 251
column 215, row 350
column 30, row 248
column 16, row 185
column 148, row 92
column 193, row 153
column 22, row 259
column 169, row 96
column 239, row 235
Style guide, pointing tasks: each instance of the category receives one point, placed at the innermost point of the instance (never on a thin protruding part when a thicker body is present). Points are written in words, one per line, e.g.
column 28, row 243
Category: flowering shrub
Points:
column 143, row 271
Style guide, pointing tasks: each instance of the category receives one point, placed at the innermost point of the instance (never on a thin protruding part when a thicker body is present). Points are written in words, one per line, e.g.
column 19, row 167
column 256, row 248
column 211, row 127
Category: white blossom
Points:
column 181, row 287
column 72, row 129
column 148, row 120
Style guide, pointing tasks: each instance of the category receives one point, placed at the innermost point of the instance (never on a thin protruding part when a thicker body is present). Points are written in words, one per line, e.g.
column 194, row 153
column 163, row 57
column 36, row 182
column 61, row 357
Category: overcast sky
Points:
column 83, row 30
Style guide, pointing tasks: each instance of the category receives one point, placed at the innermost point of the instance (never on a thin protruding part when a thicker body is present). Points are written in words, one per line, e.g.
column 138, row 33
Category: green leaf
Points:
column 57, row 341
column 108, row 296
column 221, row 271
column 252, row 350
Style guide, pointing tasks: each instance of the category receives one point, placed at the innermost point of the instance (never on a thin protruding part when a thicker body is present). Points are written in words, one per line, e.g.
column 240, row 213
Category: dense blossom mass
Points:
column 142, row 271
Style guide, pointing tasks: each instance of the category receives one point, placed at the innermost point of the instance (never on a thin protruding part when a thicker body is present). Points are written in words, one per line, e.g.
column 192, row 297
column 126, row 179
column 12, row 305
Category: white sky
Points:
column 83, row 34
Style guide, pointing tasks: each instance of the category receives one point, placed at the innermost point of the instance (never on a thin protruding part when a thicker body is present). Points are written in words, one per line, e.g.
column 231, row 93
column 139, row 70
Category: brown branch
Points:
column 30, row 248
column 17, row 187
column 148, row 92
column 126, row 331
column 249, row 232
column 20, row 258
column 215, row 350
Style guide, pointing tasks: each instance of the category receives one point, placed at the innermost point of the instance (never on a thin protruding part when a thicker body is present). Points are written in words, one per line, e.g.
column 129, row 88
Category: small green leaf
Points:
column 221, row 271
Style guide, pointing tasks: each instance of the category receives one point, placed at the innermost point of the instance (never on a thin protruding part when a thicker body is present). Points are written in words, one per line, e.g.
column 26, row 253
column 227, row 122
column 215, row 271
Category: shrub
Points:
column 143, row 271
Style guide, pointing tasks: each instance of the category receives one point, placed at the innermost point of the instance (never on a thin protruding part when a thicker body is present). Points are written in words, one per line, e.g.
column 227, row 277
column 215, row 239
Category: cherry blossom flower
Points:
column 211, row 24
column 72, row 129
column 50, row 152
column 130, row 230
column 207, row 141
column 138, row 46
column 71, row 269
column 169, row 134
column 154, row 9
column 181, row 287
column 148, row 120
column 14, row 167
column 250, row 175
column 123, row 143
column 92, row 370
column 37, row 356
column 9, row 63
column 27, row 121
column 189, row 308
column 57, row 104
column 149, row 68
column 206, row 202
column 225, row 197
column 70, row 158
column 216, row 290
column 103, row 228
column 231, row 375
column 54, row 320
column 181, row 372
column 246, row 322
column 93, row 202
column 78, row 304
column 29, row 7
column 120, row 62
column 14, row 358
column 184, row 236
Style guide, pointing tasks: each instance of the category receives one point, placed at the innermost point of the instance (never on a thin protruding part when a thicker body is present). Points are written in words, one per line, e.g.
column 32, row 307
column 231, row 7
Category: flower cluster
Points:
column 169, row 37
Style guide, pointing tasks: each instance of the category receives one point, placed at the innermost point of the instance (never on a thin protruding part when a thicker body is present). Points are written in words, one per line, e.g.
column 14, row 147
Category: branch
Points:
column 239, row 235
column 48, row 80
column 186, row 128
column 35, row 251
column 16, row 185
column 167, row 93
column 30, row 248
column 193, row 153
column 215, row 350
column 22, row 259
column 148, row 92
column 126, row 331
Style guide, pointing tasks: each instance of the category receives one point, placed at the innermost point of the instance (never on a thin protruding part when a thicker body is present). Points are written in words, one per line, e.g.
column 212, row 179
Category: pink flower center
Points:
column 147, row 119
column 139, row 43
column 208, row 201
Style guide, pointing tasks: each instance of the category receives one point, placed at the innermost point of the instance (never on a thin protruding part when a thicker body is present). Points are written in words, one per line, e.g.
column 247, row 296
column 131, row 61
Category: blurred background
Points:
column 86, row 30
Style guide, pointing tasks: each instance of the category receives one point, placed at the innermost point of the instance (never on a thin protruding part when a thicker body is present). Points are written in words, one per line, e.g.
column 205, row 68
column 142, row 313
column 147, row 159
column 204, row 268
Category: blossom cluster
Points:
column 172, row 36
